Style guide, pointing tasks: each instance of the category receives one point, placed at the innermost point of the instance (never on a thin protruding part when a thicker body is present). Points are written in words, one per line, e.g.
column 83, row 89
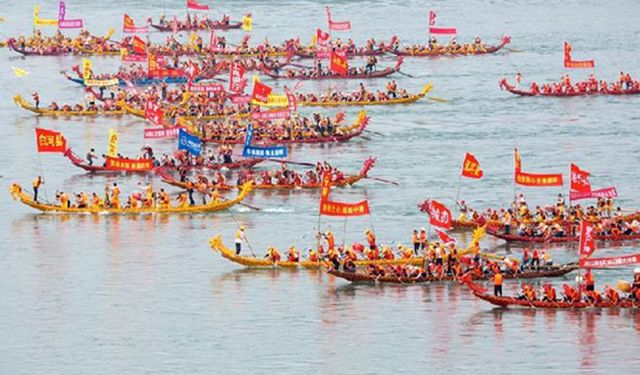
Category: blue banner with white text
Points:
column 189, row 142
column 261, row 152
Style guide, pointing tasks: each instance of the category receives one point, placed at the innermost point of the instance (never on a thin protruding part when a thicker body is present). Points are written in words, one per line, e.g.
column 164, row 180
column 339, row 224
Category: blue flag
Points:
column 261, row 152
column 189, row 142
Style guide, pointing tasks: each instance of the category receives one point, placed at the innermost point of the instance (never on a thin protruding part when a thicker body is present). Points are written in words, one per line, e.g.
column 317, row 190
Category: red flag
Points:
column 624, row 260
column 293, row 103
column 337, row 25
column 193, row 4
column 571, row 64
column 128, row 26
column 579, row 179
column 439, row 214
column 325, row 186
column 213, row 40
column 587, row 242
column 471, row 167
column 139, row 46
column 609, row 192
column 50, row 141
column 432, row 18
column 338, row 63
column 444, row 237
column 330, row 208
column 261, row 92
column 534, row 179
column 236, row 78
column 153, row 112
column 443, row 30
column 322, row 38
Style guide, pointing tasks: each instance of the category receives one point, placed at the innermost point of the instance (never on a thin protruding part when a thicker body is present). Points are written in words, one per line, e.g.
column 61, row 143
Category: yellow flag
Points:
column 109, row 33
column 37, row 21
column 314, row 40
column 112, row 150
column 19, row 72
column 192, row 39
column 247, row 23
column 86, row 69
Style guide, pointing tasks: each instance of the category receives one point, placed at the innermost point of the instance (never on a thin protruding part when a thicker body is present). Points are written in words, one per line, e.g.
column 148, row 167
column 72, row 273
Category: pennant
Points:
column 587, row 241
column 579, row 179
column 432, row 18
column 571, row 64
column 261, row 92
column 131, row 165
column 37, row 21
column 139, row 46
column 337, row 25
column 129, row 27
column 250, row 151
column 247, row 23
column 471, row 167
column 609, row 192
column 50, row 141
column 19, row 72
column 87, row 66
column 534, row 179
column 439, row 214
column 322, row 38
column 153, row 112
column 158, row 133
column 194, row 5
column 338, row 63
column 236, row 78
column 191, row 143
column 112, row 149
column 620, row 261
column 444, row 237
column 64, row 23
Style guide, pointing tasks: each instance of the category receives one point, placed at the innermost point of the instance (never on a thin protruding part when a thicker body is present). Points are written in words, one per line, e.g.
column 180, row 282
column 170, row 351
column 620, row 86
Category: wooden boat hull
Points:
column 75, row 52
column 17, row 193
column 360, row 277
column 566, row 239
column 218, row 246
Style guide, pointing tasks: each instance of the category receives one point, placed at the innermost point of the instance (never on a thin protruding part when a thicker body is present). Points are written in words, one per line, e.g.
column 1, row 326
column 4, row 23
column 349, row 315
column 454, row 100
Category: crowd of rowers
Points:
column 144, row 198
column 294, row 128
column 436, row 48
column 360, row 95
column 319, row 70
column 585, row 292
column 190, row 22
column 58, row 43
column 554, row 221
column 280, row 177
column 89, row 105
column 439, row 260
column 592, row 85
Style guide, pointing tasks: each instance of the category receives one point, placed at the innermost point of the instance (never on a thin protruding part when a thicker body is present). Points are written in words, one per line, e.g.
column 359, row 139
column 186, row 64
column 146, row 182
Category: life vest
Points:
column 497, row 279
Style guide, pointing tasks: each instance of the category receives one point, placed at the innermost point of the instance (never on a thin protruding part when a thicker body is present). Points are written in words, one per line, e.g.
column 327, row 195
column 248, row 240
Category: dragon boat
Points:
column 218, row 246
column 514, row 90
column 17, row 193
column 425, row 51
column 562, row 239
column 23, row 103
column 346, row 181
column 308, row 74
column 408, row 100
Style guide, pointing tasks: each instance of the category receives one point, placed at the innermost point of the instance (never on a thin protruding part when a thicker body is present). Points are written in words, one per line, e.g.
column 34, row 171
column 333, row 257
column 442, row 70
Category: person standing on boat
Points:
column 36, row 99
column 36, row 185
column 497, row 283
column 416, row 241
column 91, row 156
column 589, row 281
column 240, row 238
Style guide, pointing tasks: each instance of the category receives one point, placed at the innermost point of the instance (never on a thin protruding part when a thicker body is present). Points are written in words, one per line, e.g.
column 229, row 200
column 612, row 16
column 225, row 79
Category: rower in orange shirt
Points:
column 589, row 281
column 371, row 239
column 331, row 241
column 387, row 253
column 497, row 283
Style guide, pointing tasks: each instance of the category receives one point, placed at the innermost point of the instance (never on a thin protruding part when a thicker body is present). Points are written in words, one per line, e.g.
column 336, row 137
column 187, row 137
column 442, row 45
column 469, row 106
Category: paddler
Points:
column 423, row 239
column 293, row 255
column 115, row 196
column 240, row 238
column 497, row 283
column 416, row 241
column 36, row 185
column 589, row 281
column 405, row 252
column 549, row 293
column 371, row 239
column 635, row 286
column 273, row 254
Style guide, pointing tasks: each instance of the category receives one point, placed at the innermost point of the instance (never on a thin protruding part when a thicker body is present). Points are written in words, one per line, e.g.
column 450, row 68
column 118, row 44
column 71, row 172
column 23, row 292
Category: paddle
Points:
column 437, row 99
column 383, row 180
column 300, row 65
column 514, row 50
column 250, row 206
column 406, row 74
column 372, row 132
column 291, row 162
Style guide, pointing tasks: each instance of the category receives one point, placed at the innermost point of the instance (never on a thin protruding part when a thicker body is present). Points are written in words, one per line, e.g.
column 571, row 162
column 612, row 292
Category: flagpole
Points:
column 458, row 192
column 344, row 233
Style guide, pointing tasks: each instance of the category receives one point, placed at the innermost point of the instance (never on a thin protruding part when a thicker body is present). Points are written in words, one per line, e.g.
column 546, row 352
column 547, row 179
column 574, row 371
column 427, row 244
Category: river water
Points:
column 147, row 295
